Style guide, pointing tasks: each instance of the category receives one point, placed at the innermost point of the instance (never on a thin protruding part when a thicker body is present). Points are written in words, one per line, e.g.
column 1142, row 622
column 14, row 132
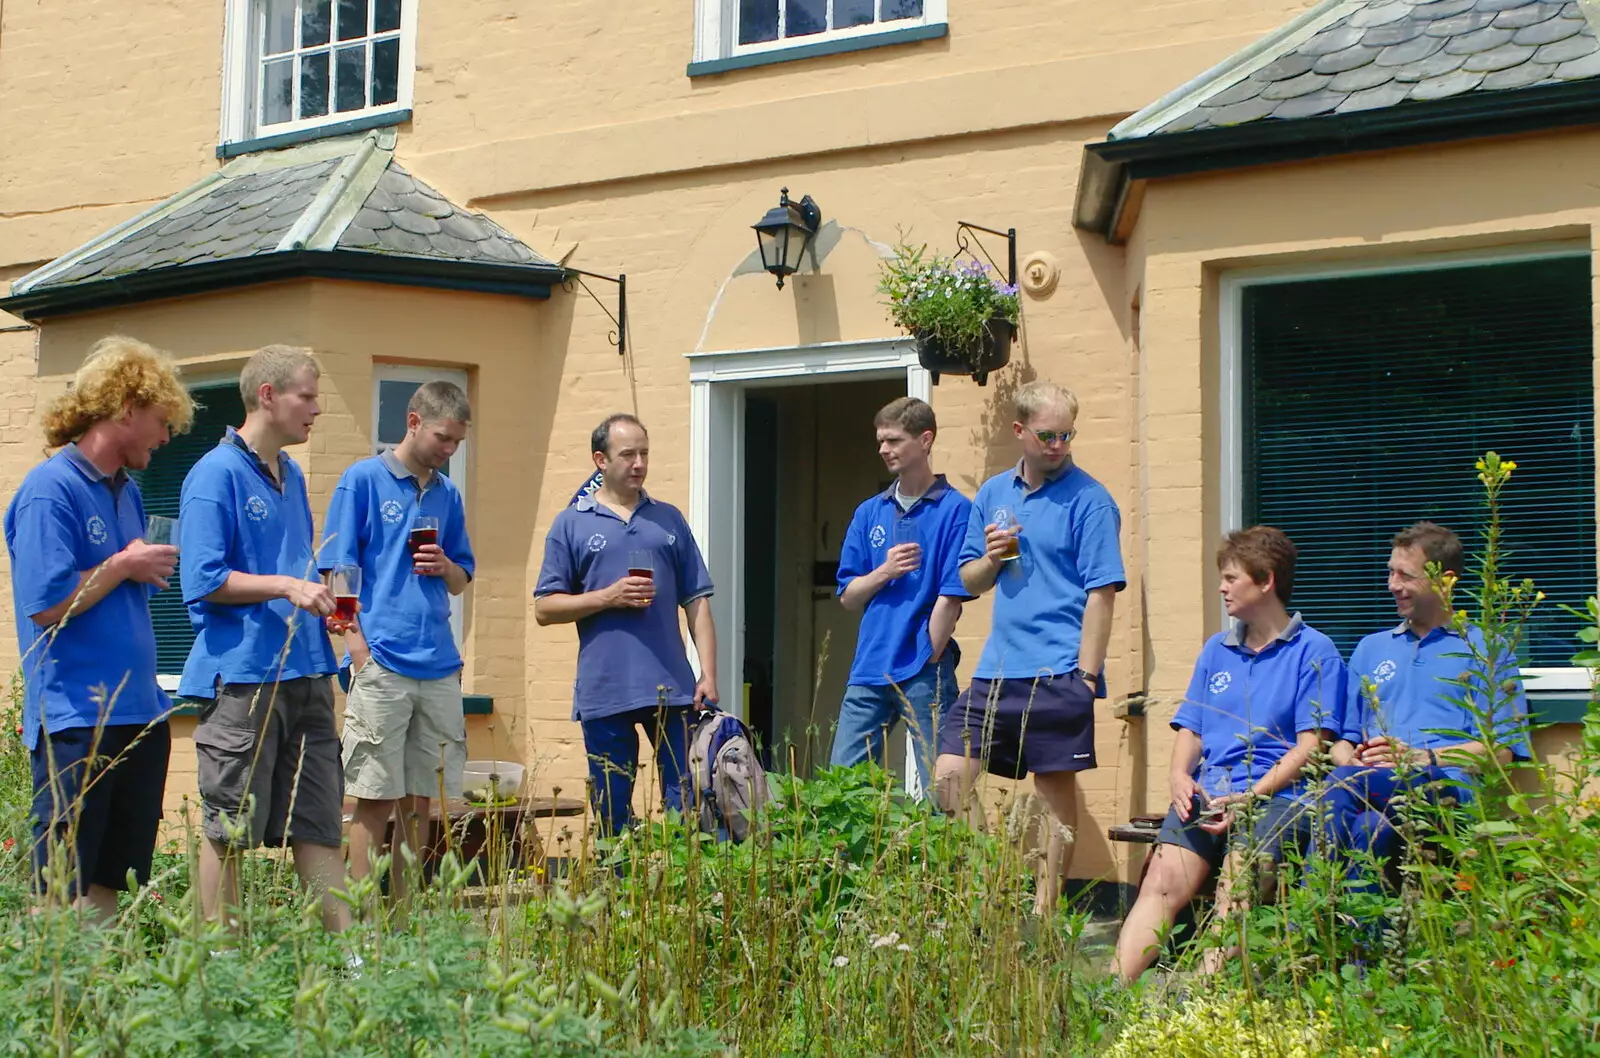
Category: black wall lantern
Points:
column 785, row 232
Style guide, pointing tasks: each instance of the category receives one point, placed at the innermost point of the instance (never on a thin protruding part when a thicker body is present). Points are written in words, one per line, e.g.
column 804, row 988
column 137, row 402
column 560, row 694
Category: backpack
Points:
column 729, row 782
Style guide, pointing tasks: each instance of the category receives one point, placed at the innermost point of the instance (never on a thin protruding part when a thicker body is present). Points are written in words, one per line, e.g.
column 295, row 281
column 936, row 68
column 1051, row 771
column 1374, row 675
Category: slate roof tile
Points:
column 1393, row 53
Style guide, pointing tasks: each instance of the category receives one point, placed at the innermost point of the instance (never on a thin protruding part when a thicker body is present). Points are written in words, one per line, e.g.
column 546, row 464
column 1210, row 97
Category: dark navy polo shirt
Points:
column 624, row 656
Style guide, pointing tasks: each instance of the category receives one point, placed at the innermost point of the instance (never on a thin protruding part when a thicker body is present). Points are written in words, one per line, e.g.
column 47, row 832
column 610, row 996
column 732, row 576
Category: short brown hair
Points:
column 600, row 439
column 913, row 416
column 440, row 401
column 275, row 366
column 1436, row 543
column 118, row 371
column 1262, row 551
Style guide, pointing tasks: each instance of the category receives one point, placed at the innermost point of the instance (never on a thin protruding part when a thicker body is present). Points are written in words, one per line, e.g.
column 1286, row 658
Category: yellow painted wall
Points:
column 575, row 126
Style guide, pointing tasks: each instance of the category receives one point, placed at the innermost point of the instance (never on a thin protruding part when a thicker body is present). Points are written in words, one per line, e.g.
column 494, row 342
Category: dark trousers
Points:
column 612, row 743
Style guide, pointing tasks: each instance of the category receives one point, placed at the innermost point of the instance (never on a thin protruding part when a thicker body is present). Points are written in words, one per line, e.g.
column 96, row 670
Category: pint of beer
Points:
column 1006, row 518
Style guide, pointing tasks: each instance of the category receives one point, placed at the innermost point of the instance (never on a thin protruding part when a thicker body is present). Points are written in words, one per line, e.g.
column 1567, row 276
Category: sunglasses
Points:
column 1050, row 437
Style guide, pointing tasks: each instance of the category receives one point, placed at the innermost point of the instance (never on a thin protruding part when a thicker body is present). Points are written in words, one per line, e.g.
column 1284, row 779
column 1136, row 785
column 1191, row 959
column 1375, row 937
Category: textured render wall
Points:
column 1355, row 209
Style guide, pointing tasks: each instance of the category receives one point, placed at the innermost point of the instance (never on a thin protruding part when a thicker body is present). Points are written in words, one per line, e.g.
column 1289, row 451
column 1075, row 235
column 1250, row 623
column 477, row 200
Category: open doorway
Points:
column 810, row 459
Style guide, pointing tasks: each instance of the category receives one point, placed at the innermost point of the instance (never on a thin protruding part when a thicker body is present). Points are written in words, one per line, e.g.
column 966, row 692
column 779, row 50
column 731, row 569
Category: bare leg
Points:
column 1236, row 887
column 100, row 902
column 413, row 812
column 1060, row 791
column 369, row 825
column 1175, row 876
column 954, row 779
column 219, row 881
column 321, row 869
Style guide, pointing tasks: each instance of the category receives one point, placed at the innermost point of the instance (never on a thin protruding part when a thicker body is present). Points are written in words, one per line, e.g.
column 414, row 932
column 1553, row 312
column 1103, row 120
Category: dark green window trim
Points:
column 320, row 132
column 1558, row 707
column 797, row 52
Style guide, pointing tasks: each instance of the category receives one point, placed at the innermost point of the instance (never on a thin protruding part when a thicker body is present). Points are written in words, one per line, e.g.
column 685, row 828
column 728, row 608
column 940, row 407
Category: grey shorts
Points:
column 277, row 743
column 403, row 737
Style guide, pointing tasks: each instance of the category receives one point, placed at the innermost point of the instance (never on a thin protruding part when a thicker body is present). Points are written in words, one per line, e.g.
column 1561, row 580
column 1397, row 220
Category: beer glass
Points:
column 424, row 531
column 159, row 529
column 345, row 582
column 642, row 564
column 1006, row 518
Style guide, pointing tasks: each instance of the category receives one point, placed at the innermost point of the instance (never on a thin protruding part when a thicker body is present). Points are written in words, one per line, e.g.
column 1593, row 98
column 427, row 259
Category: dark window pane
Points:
column 896, row 9
column 314, row 15
column 314, row 85
column 385, row 16
column 352, row 19
column 847, row 13
column 280, row 27
column 393, row 396
column 350, row 84
column 277, row 92
column 1367, row 399
column 758, row 21
column 803, row 17
column 385, row 72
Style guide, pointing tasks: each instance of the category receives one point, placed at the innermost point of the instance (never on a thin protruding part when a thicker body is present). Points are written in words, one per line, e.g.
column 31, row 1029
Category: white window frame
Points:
column 241, row 75
column 382, row 373
column 1231, row 332
column 716, row 29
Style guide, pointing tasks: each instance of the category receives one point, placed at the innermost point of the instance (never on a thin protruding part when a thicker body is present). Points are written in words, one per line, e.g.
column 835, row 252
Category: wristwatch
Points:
column 1433, row 759
column 1091, row 678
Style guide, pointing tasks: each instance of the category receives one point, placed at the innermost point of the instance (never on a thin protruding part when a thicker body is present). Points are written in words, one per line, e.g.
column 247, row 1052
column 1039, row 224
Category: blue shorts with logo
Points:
column 1023, row 726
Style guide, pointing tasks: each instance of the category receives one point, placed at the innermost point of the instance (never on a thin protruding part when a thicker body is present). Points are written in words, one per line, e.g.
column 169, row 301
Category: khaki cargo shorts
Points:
column 399, row 733
column 276, row 742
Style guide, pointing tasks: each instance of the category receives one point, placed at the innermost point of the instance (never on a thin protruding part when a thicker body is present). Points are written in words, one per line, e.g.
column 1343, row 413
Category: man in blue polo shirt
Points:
column 1429, row 706
column 403, row 719
column 620, row 565
column 266, row 746
column 1264, row 696
column 93, row 719
column 900, row 565
column 1044, row 536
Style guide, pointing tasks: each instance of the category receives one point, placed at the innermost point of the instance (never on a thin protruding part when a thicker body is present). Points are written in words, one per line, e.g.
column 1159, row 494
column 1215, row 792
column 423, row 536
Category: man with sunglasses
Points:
column 1044, row 537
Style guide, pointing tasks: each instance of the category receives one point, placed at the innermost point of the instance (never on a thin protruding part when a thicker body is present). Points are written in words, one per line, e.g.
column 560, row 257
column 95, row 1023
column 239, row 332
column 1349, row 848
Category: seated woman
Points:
column 1265, row 694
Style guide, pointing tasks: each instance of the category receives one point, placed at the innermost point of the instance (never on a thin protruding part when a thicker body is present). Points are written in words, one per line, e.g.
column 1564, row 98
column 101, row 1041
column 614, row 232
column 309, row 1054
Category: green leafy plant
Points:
column 946, row 299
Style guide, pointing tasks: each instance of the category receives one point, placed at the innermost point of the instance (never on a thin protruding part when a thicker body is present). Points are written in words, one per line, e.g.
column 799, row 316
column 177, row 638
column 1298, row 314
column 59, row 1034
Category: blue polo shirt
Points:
column 1248, row 707
column 892, row 644
column 1421, row 683
column 234, row 516
column 624, row 656
column 1070, row 546
column 405, row 617
column 66, row 519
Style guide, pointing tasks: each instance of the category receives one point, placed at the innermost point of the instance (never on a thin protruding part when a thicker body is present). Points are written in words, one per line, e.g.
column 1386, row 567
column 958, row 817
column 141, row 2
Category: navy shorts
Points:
column 115, row 806
column 1281, row 823
column 1017, row 727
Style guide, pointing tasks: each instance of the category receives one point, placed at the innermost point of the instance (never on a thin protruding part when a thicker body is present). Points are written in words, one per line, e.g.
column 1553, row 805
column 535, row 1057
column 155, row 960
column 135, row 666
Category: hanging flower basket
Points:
column 991, row 352
column 963, row 316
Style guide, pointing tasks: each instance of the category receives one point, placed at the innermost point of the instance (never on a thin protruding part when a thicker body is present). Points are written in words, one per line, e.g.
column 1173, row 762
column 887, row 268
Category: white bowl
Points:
column 475, row 779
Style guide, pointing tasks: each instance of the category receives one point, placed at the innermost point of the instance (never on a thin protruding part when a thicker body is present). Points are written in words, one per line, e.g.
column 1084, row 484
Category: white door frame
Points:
column 717, row 385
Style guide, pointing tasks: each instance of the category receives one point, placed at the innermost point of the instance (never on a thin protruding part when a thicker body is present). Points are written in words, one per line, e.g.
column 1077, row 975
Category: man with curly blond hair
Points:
column 94, row 720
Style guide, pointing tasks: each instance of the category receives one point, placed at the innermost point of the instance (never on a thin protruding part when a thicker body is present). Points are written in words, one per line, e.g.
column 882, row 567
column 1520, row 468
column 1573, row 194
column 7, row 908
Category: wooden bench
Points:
column 467, row 828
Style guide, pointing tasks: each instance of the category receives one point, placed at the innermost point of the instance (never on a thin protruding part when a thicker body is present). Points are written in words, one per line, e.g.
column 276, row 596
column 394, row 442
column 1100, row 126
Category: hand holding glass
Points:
column 345, row 582
column 905, row 532
column 159, row 529
column 424, row 531
column 1006, row 518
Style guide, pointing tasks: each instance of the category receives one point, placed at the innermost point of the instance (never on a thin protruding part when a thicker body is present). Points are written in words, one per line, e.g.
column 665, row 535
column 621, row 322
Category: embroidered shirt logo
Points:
column 255, row 509
column 391, row 512
column 597, row 543
column 1220, row 682
column 96, row 527
column 1384, row 672
column 879, row 535
column 672, row 538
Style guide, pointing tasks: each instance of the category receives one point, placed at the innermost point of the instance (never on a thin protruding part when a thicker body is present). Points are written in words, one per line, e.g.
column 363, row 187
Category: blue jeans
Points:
column 1360, row 816
column 612, row 744
column 867, row 713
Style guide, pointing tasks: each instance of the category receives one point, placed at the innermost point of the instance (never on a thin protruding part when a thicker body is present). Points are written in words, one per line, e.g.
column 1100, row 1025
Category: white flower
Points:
column 841, row 961
column 885, row 940
column 902, row 947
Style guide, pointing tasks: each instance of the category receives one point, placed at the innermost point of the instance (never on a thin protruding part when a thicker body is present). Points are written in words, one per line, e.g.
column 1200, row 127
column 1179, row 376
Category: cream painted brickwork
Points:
column 574, row 125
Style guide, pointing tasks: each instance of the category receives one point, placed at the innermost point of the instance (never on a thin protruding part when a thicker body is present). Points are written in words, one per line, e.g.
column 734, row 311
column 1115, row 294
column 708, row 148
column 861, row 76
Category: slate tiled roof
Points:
column 347, row 197
column 403, row 215
column 1348, row 56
